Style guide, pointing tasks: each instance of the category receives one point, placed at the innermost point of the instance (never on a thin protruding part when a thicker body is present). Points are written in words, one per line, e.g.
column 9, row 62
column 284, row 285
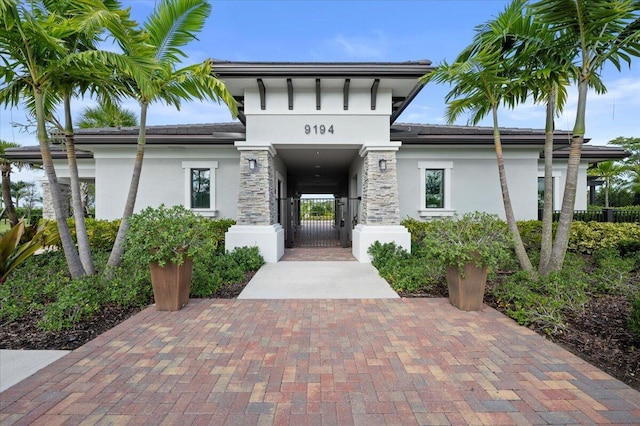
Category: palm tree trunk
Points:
column 606, row 192
column 547, row 215
column 6, row 193
column 521, row 253
column 73, row 260
column 569, row 197
column 76, row 195
column 115, row 258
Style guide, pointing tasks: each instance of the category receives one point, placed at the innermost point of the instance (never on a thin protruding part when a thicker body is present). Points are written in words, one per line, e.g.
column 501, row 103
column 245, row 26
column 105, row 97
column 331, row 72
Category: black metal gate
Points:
column 319, row 222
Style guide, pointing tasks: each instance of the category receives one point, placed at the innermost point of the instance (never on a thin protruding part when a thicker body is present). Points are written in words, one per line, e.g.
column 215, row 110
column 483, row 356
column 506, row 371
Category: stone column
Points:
column 257, row 209
column 380, row 220
column 380, row 189
column 47, row 202
column 256, row 204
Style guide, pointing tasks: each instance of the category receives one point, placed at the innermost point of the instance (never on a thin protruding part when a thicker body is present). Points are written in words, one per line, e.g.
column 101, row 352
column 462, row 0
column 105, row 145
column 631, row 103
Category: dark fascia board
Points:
column 596, row 153
column 182, row 139
column 29, row 154
column 409, row 69
column 477, row 139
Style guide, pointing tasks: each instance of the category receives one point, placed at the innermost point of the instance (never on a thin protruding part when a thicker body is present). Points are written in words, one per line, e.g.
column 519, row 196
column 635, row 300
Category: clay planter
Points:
column 171, row 284
column 467, row 293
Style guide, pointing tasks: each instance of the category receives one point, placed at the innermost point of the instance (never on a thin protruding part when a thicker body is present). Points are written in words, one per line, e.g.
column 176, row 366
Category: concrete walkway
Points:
column 347, row 362
column 317, row 280
column 18, row 365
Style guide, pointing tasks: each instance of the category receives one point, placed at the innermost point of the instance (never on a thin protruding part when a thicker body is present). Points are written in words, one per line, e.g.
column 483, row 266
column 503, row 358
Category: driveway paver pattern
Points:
column 347, row 362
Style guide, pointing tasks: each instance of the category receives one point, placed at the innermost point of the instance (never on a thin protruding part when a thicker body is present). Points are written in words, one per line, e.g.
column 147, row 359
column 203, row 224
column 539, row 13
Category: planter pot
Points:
column 171, row 285
column 467, row 293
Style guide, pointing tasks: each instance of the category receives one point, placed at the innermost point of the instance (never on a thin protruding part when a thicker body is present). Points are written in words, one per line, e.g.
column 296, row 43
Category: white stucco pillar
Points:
column 256, row 223
column 380, row 206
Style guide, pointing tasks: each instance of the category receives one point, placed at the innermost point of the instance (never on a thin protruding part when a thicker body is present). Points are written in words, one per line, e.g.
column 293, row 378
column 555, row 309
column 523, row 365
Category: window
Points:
column 435, row 188
column 200, row 186
column 555, row 191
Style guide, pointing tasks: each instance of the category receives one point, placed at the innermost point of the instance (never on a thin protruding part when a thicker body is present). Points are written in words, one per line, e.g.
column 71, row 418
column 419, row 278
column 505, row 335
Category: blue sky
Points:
column 373, row 30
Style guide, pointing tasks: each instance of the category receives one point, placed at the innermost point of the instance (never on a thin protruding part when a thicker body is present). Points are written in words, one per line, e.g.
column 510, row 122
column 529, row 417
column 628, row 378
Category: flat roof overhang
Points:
column 401, row 77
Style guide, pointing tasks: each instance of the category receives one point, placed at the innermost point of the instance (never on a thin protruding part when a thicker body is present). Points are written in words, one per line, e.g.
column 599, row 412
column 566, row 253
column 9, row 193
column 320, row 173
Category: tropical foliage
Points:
column 107, row 114
column 13, row 252
column 534, row 50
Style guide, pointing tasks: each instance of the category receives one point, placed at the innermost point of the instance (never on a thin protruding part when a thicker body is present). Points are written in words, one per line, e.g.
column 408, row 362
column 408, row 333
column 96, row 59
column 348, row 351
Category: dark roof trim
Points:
column 594, row 152
column 32, row 153
column 408, row 69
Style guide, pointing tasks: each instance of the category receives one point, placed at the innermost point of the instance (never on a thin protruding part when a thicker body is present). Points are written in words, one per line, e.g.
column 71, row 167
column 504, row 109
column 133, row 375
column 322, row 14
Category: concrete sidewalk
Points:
column 16, row 366
column 318, row 280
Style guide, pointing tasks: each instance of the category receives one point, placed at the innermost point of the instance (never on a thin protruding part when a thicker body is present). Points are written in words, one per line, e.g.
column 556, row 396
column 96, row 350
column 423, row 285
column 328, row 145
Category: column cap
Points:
column 386, row 146
column 255, row 146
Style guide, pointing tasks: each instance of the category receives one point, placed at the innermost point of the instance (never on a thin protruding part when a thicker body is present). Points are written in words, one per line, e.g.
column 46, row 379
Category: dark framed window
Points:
column 541, row 192
column 200, row 188
column 434, row 188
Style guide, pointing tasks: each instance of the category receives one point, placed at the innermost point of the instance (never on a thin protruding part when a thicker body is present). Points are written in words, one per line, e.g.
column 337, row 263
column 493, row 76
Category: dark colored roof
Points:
column 427, row 134
column 228, row 133
column 32, row 153
column 594, row 153
column 405, row 69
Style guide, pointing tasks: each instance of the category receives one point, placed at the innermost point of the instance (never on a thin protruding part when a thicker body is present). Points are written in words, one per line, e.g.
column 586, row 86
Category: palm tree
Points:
column 19, row 190
column 5, row 167
column 592, row 33
column 107, row 114
column 172, row 25
column 609, row 171
column 483, row 79
column 40, row 62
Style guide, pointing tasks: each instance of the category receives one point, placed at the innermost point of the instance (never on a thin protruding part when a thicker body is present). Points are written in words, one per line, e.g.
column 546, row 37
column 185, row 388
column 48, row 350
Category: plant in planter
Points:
column 166, row 238
column 468, row 246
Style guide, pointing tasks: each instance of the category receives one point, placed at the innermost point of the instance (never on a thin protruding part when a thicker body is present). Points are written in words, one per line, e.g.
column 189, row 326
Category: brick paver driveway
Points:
column 372, row 362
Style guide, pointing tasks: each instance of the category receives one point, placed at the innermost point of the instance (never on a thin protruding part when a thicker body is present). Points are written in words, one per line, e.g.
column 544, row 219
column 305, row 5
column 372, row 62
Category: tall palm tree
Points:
column 5, row 167
column 107, row 114
column 483, row 78
column 593, row 33
column 19, row 189
column 609, row 171
column 173, row 24
column 40, row 62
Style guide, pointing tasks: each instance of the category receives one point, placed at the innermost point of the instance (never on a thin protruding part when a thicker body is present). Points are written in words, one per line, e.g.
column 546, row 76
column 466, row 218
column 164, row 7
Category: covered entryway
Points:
column 319, row 222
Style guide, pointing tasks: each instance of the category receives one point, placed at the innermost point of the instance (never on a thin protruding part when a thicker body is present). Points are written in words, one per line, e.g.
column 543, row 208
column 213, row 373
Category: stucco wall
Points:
column 475, row 182
column 162, row 179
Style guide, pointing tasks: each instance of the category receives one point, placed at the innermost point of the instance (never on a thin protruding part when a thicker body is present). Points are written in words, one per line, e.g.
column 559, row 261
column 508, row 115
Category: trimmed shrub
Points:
column 587, row 237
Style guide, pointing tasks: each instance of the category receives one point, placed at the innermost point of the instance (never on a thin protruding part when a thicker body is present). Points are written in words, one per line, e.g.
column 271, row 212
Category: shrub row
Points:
column 42, row 284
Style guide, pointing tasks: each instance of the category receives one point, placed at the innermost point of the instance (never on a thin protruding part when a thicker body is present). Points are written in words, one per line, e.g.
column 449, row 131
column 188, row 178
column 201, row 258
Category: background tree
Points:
column 19, row 190
column 592, row 33
column 484, row 78
column 41, row 58
column 107, row 114
column 6, row 167
column 608, row 171
column 172, row 25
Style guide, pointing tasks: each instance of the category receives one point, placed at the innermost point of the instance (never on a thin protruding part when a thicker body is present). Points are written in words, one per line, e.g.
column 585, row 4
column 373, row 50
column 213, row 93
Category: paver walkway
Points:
column 364, row 362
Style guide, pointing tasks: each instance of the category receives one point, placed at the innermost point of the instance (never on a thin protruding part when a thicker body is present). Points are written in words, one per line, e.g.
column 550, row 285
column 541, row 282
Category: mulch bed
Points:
column 599, row 334
column 25, row 334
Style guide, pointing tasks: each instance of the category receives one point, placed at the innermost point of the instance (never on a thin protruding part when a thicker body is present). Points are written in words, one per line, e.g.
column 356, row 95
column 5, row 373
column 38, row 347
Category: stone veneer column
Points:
column 47, row 202
column 256, row 204
column 256, row 219
column 380, row 220
column 380, row 189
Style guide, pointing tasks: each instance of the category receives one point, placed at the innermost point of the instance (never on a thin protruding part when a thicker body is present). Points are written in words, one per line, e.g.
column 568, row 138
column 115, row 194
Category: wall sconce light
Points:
column 382, row 164
column 252, row 163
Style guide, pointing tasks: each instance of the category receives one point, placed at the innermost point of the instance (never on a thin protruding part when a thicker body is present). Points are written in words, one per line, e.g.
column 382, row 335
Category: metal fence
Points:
column 604, row 215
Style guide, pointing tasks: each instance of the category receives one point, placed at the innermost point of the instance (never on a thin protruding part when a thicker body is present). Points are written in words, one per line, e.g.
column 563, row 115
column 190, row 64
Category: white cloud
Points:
column 365, row 47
